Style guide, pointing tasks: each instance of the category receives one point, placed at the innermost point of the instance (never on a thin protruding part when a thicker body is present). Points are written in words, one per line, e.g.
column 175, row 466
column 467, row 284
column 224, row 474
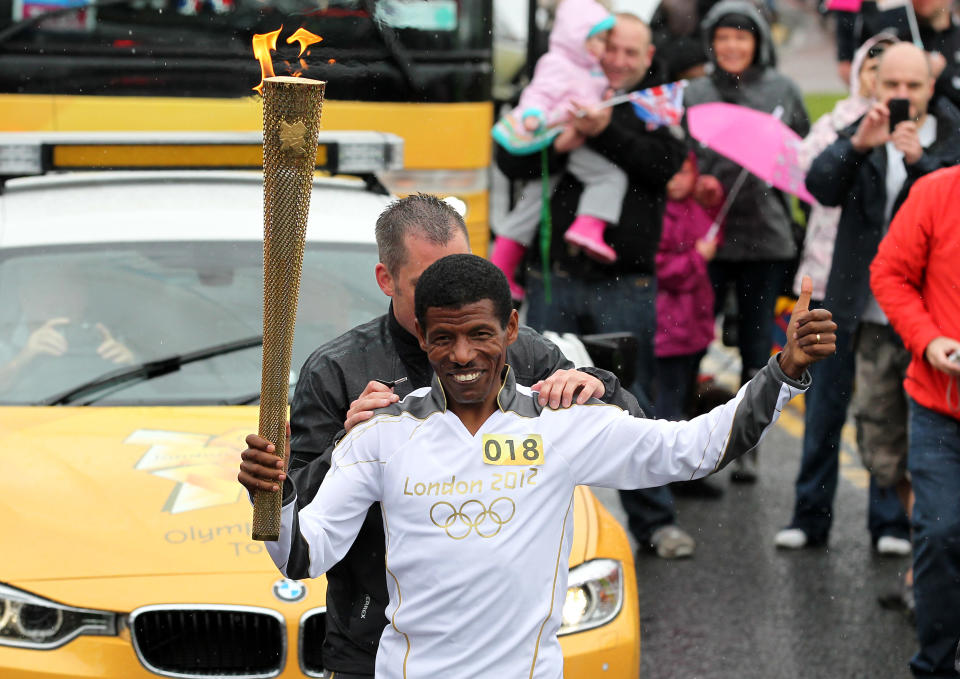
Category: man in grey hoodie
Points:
column 758, row 243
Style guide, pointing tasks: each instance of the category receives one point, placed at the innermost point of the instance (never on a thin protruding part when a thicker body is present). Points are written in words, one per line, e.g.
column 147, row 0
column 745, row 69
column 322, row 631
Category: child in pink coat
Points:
column 569, row 71
column 685, row 324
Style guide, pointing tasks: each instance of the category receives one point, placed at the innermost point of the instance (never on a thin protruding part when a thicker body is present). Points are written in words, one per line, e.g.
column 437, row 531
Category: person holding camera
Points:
column 868, row 171
column 915, row 279
column 55, row 328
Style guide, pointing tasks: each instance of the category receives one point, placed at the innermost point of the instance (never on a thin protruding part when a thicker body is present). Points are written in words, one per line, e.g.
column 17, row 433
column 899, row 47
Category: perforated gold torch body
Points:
column 291, row 120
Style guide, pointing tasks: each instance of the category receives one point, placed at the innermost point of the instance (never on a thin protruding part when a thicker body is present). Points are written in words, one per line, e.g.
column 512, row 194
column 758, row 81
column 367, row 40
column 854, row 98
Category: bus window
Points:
column 372, row 50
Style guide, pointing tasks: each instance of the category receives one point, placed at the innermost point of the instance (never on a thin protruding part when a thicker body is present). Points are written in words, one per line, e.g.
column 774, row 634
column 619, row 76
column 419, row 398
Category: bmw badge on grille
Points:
column 289, row 590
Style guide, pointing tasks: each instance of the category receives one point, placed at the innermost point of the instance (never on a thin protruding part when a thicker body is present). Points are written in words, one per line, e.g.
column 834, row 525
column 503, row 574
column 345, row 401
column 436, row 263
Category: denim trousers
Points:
column 826, row 402
column 676, row 383
column 757, row 286
column 621, row 304
column 934, row 464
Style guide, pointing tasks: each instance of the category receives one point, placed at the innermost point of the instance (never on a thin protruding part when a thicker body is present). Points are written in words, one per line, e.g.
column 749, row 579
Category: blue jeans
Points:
column 826, row 401
column 624, row 304
column 934, row 464
column 676, row 383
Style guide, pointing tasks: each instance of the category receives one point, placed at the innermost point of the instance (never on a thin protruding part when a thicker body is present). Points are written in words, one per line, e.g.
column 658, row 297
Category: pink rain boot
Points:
column 507, row 254
column 587, row 233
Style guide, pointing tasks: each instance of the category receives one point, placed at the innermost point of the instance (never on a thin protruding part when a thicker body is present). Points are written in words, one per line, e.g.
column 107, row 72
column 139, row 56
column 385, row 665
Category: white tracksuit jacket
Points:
column 479, row 528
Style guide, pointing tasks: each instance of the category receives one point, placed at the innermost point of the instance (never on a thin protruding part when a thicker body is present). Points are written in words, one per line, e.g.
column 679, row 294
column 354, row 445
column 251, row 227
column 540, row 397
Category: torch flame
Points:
column 263, row 44
column 304, row 37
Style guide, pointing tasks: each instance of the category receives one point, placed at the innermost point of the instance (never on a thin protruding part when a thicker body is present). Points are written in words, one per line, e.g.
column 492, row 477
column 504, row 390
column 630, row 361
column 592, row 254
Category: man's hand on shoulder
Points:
column 563, row 386
column 260, row 467
column 375, row 395
column 811, row 335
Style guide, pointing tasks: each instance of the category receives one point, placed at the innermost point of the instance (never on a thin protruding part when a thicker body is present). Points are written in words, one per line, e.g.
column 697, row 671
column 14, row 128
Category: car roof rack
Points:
column 359, row 153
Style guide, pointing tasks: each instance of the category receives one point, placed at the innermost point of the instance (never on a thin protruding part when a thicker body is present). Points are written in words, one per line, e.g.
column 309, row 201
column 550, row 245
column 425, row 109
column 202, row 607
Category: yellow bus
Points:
column 421, row 70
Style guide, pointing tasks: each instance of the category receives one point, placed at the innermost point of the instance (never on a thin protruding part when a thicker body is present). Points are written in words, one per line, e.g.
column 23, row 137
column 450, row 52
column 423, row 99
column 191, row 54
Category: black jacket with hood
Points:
column 648, row 157
column 759, row 226
column 840, row 176
column 332, row 377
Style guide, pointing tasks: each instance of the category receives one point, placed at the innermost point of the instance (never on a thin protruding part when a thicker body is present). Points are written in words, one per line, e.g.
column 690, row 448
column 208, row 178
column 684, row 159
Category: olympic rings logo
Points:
column 473, row 515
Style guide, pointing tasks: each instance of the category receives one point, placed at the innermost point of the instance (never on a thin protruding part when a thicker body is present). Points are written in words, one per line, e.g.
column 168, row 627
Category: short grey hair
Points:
column 420, row 214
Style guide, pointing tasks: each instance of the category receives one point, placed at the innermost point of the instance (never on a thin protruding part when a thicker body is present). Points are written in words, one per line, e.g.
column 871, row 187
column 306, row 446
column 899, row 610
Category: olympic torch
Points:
column 291, row 120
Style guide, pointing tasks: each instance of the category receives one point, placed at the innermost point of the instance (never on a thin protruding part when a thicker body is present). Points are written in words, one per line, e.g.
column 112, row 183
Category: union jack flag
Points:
column 660, row 106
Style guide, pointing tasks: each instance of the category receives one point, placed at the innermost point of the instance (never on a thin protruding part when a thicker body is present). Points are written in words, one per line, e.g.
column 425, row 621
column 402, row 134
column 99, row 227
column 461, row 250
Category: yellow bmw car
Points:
column 130, row 326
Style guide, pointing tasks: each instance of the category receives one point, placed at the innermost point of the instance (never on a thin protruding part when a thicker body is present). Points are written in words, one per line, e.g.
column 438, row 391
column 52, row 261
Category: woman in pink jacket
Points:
column 685, row 323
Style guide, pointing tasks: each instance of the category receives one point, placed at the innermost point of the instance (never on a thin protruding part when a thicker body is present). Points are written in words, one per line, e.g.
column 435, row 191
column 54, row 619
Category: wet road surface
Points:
column 742, row 609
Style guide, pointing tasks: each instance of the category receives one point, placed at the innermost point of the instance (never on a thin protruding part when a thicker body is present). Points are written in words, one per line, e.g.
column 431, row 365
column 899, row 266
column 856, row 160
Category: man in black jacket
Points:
column 587, row 296
column 857, row 172
column 343, row 381
column 938, row 31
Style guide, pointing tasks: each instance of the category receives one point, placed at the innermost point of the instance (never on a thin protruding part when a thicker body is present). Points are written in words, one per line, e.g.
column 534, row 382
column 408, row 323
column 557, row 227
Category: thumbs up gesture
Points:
column 810, row 335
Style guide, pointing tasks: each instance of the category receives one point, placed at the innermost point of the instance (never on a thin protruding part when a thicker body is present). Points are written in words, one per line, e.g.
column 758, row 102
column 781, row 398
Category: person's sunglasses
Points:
column 876, row 51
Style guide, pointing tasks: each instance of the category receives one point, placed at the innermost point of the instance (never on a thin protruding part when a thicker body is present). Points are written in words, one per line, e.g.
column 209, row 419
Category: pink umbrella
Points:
column 757, row 141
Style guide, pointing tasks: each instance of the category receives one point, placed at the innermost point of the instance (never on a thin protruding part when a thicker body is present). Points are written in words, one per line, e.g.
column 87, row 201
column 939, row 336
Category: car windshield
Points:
column 69, row 315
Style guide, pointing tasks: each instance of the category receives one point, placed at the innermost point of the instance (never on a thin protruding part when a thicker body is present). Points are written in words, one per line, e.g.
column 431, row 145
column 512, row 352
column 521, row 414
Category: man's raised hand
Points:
column 811, row 335
column 260, row 467
column 873, row 130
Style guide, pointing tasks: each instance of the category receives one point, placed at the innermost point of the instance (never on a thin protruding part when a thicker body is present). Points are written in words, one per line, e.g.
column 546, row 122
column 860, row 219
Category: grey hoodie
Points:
column 758, row 225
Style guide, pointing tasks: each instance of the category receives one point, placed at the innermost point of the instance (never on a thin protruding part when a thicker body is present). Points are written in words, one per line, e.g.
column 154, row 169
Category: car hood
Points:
column 91, row 492
column 97, row 492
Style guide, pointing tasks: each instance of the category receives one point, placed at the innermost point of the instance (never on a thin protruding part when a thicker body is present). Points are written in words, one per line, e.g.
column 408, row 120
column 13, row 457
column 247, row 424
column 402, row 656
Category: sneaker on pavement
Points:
column 901, row 600
column 672, row 542
column 888, row 545
column 791, row 538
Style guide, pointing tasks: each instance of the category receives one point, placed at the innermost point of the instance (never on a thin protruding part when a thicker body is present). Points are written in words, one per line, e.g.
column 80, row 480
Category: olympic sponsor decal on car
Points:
column 203, row 466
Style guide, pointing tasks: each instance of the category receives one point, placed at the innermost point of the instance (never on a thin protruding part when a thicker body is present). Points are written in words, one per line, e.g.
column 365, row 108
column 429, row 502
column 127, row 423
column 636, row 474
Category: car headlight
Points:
column 594, row 595
column 31, row 622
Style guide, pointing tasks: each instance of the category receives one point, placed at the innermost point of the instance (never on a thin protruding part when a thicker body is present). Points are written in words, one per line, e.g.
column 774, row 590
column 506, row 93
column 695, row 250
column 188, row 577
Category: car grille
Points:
column 313, row 629
column 203, row 641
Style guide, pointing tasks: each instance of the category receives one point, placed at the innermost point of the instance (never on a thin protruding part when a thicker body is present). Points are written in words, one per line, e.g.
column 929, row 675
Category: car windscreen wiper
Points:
column 148, row 370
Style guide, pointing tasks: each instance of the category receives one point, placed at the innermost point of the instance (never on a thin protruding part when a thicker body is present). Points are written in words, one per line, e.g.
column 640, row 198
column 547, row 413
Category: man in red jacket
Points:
column 916, row 279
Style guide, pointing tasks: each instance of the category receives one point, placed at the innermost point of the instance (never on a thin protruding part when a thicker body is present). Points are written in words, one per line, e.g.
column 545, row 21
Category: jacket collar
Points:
column 506, row 397
column 413, row 358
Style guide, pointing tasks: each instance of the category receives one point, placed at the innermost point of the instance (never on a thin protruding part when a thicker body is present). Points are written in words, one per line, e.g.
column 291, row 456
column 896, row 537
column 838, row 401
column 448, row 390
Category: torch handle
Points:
column 267, row 504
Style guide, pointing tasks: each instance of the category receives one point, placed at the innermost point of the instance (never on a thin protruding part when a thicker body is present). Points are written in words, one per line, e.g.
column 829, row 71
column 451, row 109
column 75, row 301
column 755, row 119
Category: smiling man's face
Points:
column 467, row 348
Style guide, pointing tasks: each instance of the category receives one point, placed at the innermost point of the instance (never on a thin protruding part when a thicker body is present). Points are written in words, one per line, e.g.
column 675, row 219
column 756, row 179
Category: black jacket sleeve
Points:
column 317, row 413
column 529, row 166
column 833, row 173
column 652, row 157
column 846, row 40
column 539, row 358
